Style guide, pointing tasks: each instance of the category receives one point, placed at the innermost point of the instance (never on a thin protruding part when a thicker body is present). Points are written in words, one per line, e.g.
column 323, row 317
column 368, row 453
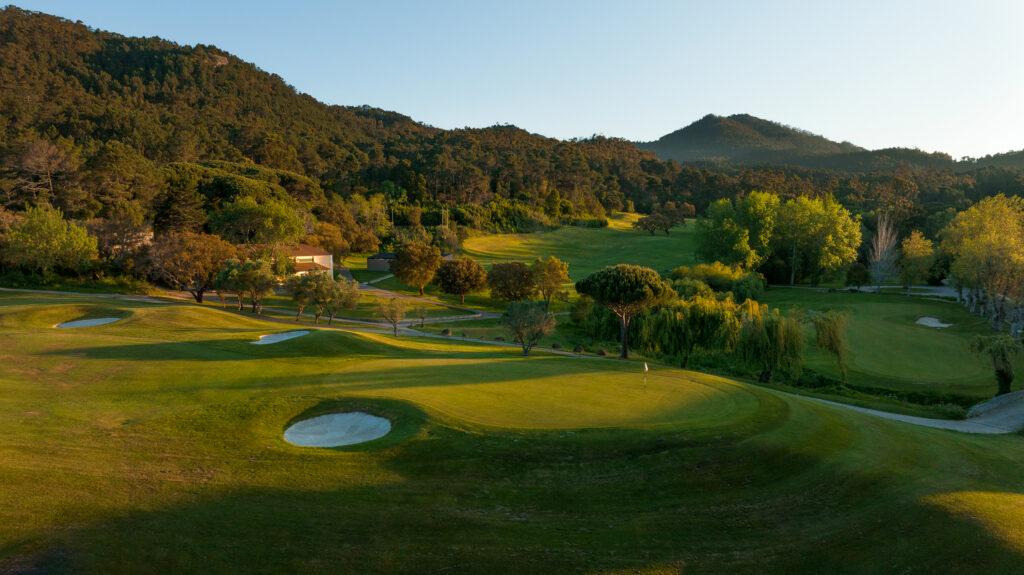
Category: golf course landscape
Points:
column 346, row 289
column 127, row 444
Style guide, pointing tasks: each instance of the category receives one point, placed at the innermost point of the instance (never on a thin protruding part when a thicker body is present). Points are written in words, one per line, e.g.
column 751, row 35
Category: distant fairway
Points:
column 888, row 347
column 589, row 249
column 154, row 444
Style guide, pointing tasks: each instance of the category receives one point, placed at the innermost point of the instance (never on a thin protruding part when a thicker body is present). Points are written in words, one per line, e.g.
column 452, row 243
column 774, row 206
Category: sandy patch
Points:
column 337, row 429
column 931, row 322
column 277, row 337
column 87, row 322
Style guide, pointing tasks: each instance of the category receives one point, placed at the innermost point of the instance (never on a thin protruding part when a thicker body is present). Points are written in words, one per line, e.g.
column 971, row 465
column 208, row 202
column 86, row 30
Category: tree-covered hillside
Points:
column 71, row 98
column 105, row 127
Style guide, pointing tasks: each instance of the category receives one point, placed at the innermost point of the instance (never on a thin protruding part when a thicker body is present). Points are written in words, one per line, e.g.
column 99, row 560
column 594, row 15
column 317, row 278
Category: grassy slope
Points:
column 589, row 249
column 154, row 444
column 585, row 249
column 887, row 347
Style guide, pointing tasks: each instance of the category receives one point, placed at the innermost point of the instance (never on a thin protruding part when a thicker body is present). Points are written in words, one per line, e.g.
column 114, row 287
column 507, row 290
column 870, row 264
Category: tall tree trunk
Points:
column 624, row 332
column 792, row 266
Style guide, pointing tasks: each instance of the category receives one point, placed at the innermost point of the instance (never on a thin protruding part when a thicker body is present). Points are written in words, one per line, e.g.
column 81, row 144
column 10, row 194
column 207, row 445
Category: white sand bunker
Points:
column 87, row 322
column 337, row 429
column 276, row 337
column 931, row 322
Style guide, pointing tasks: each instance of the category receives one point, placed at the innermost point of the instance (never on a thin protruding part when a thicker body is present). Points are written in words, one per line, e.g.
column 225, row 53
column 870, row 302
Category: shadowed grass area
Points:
column 154, row 444
column 889, row 349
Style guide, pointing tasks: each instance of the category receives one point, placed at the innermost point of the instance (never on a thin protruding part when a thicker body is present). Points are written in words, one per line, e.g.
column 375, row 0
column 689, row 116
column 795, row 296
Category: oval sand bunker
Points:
column 276, row 337
column 932, row 322
column 88, row 322
column 337, row 429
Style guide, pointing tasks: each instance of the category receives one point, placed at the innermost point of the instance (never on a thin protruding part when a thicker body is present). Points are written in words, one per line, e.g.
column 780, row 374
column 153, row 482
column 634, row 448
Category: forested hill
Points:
column 81, row 92
column 742, row 138
column 745, row 140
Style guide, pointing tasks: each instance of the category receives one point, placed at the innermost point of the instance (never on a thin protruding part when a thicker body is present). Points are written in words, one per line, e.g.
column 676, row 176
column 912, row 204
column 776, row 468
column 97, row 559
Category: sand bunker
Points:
column 337, row 429
column 276, row 337
column 88, row 322
column 932, row 322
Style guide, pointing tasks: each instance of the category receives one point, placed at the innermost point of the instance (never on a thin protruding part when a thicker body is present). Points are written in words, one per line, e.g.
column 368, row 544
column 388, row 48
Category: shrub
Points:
column 717, row 275
column 750, row 286
column 590, row 222
column 691, row 288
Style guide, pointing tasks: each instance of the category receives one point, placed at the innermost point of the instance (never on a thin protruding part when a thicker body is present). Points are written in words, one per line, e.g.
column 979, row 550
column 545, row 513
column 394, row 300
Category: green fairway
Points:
column 154, row 444
column 590, row 249
column 889, row 349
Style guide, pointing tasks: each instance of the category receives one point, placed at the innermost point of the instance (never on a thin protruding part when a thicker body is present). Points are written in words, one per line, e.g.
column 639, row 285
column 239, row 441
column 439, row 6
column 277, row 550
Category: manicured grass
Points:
column 590, row 249
column 153, row 444
column 365, row 310
column 887, row 347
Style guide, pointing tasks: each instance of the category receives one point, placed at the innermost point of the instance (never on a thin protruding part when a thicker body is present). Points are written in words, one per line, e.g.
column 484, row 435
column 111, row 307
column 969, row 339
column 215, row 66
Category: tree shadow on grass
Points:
column 484, row 504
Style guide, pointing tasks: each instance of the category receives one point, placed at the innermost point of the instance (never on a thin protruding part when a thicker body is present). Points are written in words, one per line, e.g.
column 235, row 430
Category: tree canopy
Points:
column 625, row 289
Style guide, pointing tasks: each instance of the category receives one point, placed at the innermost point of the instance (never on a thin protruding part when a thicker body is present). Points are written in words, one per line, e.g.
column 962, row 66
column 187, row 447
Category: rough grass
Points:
column 887, row 347
column 154, row 445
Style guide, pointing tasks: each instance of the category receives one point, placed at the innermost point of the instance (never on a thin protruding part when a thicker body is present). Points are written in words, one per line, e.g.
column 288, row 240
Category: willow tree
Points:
column 1000, row 349
column 686, row 325
column 830, row 333
column 771, row 341
column 625, row 290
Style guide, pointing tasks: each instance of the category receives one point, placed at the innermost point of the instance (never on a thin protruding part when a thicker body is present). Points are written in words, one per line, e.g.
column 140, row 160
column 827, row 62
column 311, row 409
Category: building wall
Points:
column 326, row 261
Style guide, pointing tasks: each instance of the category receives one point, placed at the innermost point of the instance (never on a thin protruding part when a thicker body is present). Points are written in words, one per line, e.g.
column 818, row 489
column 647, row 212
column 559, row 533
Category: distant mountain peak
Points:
column 742, row 138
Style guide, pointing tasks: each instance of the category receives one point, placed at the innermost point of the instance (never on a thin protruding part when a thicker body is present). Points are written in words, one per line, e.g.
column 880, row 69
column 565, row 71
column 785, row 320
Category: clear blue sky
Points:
column 936, row 75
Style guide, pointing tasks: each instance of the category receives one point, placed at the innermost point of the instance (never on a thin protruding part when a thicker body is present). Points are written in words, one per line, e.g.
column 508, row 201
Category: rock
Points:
column 499, row 338
column 556, row 346
column 578, row 349
column 446, row 331
column 602, row 352
column 464, row 334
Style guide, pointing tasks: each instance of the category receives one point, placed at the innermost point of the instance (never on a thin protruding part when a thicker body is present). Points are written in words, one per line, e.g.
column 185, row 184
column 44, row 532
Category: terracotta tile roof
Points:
column 307, row 250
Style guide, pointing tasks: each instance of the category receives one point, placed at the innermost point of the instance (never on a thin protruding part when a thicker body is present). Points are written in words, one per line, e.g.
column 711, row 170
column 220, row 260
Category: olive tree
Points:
column 512, row 281
column 416, row 264
column 189, row 261
column 461, row 276
column 527, row 322
column 392, row 310
column 549, row 275
column 625, row 290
